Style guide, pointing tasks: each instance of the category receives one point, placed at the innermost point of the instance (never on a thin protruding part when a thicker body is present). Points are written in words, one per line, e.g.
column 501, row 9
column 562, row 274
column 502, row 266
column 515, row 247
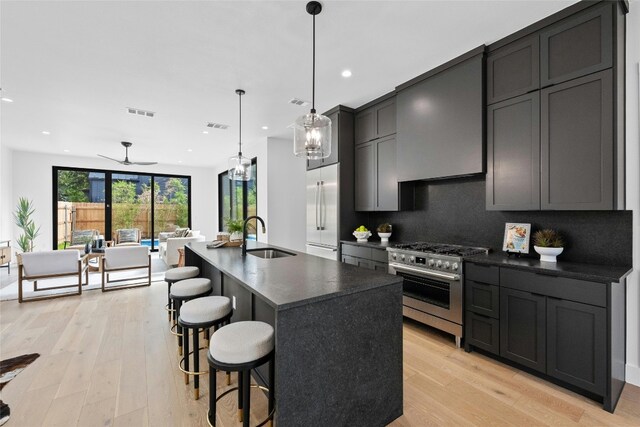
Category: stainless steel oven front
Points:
column 432, row 297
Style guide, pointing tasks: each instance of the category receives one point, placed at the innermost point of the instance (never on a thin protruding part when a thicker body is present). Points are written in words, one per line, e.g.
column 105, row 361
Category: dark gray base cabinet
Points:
column 365, row 257
column 566, row 329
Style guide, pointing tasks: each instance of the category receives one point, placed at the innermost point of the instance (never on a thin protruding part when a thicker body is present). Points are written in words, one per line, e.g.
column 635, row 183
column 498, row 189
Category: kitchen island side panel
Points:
column 339, row 361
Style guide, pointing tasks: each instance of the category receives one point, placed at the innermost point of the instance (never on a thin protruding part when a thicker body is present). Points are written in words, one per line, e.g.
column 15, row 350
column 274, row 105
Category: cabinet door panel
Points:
column 386, row 176
column 231, row 289
column 385, row 118
column 482, row 332
column 513, row 154
column 576, row 339
column 365, row 177
column 365, row 126
column 335, row 123
column 482, row 298
column 522, row 328
column 577, row 144
column 513, row 70
column 577, row 46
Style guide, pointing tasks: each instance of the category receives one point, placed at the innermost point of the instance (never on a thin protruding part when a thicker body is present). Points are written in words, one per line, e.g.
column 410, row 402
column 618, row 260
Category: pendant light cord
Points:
column 240, row 124
column 313, row 74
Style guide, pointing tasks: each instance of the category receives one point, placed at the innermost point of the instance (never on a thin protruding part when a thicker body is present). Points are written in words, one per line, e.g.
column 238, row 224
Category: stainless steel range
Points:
column 432, row 288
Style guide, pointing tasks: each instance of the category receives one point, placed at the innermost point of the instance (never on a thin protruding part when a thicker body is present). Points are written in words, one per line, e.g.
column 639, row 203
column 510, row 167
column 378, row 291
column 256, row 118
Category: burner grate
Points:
column 443, row 249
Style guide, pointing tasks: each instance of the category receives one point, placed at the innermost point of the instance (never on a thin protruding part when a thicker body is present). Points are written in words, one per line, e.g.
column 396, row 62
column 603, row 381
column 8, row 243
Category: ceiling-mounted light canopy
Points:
column 312, row 132
column 239, row 166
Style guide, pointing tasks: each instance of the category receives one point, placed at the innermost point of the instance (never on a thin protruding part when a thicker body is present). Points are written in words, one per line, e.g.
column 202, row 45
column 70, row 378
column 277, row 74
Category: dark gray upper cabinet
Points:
column 376, row 121
column 577, row 46
column 577, row 344
column 513, row 154
column 440, row 121
column 365, row 179
column 513, row 69
column 577, row 144
column 376, row 184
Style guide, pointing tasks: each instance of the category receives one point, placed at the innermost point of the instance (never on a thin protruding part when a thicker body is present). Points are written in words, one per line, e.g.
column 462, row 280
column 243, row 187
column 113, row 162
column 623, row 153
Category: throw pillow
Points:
column 129, row 235
column 181, row 232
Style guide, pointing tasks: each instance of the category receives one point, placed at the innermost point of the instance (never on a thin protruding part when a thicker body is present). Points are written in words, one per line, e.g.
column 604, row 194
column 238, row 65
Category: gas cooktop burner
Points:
column 438, row 248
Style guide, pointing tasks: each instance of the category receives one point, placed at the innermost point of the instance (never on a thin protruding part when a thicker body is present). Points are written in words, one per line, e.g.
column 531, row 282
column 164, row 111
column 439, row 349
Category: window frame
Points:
column 223, row 178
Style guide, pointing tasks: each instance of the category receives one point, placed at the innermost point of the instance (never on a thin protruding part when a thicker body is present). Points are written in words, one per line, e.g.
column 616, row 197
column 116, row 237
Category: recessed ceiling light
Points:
column 179, row 161
column 7, row 100
column 46, row 132
column 265, row 127
column 205, row 132
column 66, row 151
column 189, row 150
column 346, row 73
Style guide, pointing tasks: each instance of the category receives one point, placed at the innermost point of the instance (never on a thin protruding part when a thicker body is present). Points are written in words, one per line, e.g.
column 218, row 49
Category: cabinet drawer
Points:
column 380, row 266
column 380, row 255
column 357, row 251
column 482, row 273
column 558, row 287
column 482, row 298
column 482, row 332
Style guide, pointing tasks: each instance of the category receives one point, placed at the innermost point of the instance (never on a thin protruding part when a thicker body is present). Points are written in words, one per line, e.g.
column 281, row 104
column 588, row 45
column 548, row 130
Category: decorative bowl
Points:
column 548, row 254
column 384, row 237
column 362, row 236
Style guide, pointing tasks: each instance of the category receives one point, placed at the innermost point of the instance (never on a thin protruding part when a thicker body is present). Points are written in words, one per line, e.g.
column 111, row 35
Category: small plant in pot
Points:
column 384, row 231
column 549, row 244
column 234, row 227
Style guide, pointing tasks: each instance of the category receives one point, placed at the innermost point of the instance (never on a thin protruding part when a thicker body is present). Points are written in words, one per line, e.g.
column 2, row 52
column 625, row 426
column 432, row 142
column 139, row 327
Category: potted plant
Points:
column 22, row 217
column 549, row 244
column 234, row 227
column 384, row 231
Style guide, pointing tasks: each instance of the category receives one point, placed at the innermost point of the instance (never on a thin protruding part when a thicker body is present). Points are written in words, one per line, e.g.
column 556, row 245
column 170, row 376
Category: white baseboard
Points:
column 633, row 374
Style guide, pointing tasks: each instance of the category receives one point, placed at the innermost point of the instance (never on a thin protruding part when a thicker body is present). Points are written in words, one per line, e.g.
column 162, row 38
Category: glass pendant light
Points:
column 240, row 166
column 312, row 132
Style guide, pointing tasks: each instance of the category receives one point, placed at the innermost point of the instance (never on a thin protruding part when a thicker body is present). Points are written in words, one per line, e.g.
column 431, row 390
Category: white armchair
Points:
column 34, row 266
column 169, row 248
column 121, row 258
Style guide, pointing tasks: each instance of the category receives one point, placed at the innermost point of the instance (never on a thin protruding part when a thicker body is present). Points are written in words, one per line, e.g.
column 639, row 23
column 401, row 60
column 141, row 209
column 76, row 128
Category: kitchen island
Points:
column 338, row 332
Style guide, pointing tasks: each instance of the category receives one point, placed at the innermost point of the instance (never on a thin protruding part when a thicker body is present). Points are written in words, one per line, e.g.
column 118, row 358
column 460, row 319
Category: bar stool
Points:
column 183, row 291
column 201, row 313
column 174, row 275
column 241, row 347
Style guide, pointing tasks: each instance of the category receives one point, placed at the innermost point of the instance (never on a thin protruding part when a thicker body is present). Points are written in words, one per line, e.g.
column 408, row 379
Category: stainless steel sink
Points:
column 269, row 253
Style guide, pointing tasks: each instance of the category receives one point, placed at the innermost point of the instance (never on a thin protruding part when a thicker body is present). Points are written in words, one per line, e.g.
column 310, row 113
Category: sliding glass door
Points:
column 106, row 201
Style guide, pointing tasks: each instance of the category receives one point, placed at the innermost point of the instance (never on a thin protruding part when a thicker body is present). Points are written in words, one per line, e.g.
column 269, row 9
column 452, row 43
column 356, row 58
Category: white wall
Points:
column 633, row 189
column 6, row 193
column 32, row 178
column 287, row 195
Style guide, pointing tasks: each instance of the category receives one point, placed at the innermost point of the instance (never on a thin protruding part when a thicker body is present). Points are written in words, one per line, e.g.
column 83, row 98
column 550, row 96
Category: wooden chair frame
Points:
column 34, row 279
column 106, row 281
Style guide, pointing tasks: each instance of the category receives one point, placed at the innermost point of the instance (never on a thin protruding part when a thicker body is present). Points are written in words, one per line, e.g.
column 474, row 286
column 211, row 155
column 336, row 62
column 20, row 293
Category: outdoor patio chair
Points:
column 124, row 258
column 127, row 237
column 34, row 266
column 79, row 238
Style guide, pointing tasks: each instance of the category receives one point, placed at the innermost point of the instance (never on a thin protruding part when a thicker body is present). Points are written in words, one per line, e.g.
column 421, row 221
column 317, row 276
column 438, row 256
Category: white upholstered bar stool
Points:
column 183, row 291
column 241, row 347
column 175, row 275
column 195, row 315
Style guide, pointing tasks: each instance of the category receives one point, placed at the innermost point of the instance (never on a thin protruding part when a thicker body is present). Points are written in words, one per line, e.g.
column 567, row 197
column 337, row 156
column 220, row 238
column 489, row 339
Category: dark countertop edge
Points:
column 286, row 306
column 376, row 244
column 551, row 270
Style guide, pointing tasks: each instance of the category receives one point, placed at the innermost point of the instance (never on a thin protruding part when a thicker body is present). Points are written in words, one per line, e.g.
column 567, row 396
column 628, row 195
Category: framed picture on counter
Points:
column 516, row 238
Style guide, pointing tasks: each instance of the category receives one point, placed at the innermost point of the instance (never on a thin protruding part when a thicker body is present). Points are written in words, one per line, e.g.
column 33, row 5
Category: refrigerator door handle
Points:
column 323, row 208
column 316, row 198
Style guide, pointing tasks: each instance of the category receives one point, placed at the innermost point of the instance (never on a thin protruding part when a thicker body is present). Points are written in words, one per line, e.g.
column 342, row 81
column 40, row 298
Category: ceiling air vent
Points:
column 217, row 126
column 299, row 102
column 139, row 112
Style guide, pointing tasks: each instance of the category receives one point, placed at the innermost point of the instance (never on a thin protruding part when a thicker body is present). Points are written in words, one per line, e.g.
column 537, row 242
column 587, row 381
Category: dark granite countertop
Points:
column 376, row 244
column 292, row 281
column 573, row 270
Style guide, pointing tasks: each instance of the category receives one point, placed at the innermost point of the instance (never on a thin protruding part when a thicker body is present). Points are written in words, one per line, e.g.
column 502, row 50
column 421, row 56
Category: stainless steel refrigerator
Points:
column 322, row 212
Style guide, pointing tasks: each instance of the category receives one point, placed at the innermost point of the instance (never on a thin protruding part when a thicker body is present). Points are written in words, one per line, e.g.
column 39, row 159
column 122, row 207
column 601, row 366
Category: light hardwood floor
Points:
column 108, row 359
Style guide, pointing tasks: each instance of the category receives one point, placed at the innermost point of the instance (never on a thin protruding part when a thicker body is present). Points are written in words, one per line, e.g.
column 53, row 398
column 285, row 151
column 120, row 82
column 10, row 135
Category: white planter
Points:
column 548, row 254
column 236, row 235
column 384, row 237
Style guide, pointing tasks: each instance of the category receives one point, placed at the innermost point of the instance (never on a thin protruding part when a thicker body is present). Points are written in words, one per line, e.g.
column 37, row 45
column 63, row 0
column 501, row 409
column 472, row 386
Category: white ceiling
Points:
column 72, row 67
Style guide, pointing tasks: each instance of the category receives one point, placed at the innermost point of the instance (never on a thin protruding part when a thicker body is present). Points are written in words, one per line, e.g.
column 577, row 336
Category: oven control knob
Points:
column 403, row 257
column 447, row 265
column 431, row 262
column 394, row 256
column 439, row 264
column 454, row 266
column 412, row 258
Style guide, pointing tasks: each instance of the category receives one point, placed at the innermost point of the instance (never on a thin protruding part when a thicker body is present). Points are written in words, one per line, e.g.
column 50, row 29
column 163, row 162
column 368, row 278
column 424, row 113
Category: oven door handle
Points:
column 406, row 269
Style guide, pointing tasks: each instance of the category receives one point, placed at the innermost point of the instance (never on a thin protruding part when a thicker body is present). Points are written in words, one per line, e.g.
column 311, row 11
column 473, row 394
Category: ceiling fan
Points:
column 126, row 161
